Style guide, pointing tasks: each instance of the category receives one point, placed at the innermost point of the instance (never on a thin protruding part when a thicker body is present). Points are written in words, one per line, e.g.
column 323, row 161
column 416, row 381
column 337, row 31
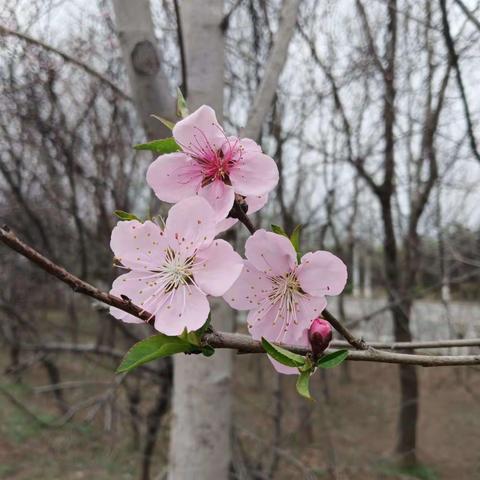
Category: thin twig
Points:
column 68, row 58
column 236, row 341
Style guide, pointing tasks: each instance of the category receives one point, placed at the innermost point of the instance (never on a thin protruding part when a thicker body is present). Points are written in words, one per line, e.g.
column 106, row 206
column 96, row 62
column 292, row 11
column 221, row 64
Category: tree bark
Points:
column 200, row 441
column 143, row 60
column 276, row 60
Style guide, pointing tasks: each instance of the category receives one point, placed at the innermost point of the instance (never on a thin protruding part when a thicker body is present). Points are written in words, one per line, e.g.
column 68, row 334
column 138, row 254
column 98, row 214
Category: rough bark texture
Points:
column 200, row 444
column 143, row 60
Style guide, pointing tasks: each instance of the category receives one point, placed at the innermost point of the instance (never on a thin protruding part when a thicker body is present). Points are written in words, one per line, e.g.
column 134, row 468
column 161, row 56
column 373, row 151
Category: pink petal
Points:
column 225, row 224
column 173, row 177
column 270, row 253
column 190, row 225
column 272, row 332
column 254, row 174
column 140, row 288
column 309, row 309
column 137, row 245
column 199, row 131
column 256, row 202
column 219, row 266
column 322, row 273
column 250, row 289
column 220, row 196
column 185, row 307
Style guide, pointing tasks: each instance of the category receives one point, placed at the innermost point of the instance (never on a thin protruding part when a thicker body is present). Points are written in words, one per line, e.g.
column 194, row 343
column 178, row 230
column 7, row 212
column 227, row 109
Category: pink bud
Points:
column 319, row 336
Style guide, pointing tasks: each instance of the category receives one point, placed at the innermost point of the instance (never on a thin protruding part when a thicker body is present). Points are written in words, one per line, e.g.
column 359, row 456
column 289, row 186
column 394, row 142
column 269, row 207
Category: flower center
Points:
column 176, row 270
column 214, row 163
column 286, row 288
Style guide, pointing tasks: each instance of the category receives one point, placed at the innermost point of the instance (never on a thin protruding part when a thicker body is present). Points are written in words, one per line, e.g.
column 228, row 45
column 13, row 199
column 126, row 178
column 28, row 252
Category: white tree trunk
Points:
column 276, row 60
column 200, row 441
column 143, row 60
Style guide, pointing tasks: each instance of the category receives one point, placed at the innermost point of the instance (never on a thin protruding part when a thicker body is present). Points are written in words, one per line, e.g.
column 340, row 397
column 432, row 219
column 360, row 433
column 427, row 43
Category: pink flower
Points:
column 319, row 336
column 172, row 271
column 282, row 296
column 211, row 165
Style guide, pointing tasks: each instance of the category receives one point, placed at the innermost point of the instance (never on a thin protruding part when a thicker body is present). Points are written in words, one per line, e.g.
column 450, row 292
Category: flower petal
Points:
column 137, row 245
column 185, row 307
column 250, row 289
column 255, row 173
column 322, row 273
column 256, row 202
column 174, row 177
column 219, row 266
column 272, row 330
column 220, row 196
column 190, row 225
column 199, row 131
column 270, row 253
column 141, row 289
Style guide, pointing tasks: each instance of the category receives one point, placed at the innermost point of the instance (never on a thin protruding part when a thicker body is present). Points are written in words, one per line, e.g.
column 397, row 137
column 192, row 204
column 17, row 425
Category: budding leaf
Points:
column 154, row 347
column 125, row 215
column 303, row 384
column 332, row 359
column 285, row 357
column 162, row 146
column 166, row 122
column 182, row 110
column 295, row 238
column 278, row 230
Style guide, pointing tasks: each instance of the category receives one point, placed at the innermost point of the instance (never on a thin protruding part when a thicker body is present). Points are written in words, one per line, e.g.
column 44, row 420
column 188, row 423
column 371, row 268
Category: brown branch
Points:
column 245, row 344
column 78, row 285
column 453, row 59
column 65, row 56
column 236, row 341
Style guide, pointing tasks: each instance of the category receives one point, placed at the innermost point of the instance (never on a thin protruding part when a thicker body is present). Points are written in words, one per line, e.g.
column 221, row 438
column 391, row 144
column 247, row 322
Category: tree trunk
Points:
column 143, row 60
column 200, row 443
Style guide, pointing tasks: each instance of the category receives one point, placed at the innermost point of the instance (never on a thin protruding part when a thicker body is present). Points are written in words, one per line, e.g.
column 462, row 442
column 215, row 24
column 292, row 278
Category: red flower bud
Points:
column 319, row 336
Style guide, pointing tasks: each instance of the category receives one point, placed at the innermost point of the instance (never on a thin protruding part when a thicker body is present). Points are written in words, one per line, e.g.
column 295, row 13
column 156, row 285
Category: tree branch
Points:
column 241, row 343
column 65, row 56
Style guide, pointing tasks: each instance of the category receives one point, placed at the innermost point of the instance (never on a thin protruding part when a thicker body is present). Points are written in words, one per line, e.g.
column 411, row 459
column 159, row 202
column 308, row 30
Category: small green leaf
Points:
column 166, row 122
column 182, row 110
column 278, row 230
column 285, row 357
column 125, row 215
column 332, row 359
column 295, row 238
column 151, row 348
column 303, row 384
column 162, row 146
column 208, row 351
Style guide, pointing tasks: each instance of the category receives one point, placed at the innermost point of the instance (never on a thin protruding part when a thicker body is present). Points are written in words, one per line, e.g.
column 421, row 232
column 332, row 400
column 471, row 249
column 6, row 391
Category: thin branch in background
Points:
column 65, row 56
column 453, row 58
column 468, row 13
column 242, row 343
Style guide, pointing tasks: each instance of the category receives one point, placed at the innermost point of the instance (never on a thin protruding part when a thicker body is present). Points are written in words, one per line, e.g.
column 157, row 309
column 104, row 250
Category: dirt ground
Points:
column 350, row 429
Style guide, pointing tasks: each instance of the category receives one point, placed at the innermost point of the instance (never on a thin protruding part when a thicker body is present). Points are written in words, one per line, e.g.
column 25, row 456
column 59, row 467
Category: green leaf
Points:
column 303, row 384
column 332, row 359
column 125, row 215
column 279, row 230
column 285, row 357
column 295, row 238
column 182, row 110
column 166, row 122
column 208, row 351
column 162, row 146
column 151, row 348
